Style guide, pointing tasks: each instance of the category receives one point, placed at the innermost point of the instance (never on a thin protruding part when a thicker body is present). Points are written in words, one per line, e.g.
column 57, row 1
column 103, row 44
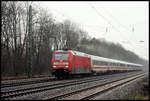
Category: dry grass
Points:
column 141, row 97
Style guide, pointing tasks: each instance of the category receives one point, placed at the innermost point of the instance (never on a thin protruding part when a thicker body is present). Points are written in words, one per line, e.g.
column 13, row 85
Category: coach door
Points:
column 73, row 64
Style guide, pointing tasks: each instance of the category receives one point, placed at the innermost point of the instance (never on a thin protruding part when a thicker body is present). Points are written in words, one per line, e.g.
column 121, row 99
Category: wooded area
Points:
column 14, row 40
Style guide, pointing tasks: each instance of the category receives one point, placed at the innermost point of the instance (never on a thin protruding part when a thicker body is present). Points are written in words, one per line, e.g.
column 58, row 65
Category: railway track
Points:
column 21, row 82
column 32, row 91
column 11, row 83
column 89, row 93
column 22, row 77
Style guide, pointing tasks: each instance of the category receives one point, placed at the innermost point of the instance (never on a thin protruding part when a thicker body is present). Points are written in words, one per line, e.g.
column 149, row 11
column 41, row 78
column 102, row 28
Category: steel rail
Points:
column 27, row 91
column 78, row 92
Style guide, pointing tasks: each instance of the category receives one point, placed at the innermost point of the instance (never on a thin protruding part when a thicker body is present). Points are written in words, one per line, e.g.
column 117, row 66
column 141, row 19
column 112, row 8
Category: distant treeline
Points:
column 15, row 35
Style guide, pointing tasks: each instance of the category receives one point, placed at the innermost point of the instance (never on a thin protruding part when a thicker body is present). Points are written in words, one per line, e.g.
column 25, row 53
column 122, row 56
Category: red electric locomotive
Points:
column 66, row 63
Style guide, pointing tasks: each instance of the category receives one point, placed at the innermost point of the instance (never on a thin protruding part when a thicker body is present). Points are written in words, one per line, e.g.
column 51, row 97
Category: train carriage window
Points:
column 106, row 63
column 102, row 63
column 95, row 62
column 113, row 64
column 116, row 64
column 98, row 62
column 109, row 64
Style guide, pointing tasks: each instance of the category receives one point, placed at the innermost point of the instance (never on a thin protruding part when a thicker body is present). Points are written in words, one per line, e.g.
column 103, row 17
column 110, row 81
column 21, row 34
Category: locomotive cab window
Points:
column 61, row 56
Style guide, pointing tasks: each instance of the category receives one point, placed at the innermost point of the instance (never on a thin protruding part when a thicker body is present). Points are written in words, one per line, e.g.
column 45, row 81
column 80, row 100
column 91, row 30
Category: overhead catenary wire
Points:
column 105, row 27
column 120, row 24
column 132, row 30
column 109, row 23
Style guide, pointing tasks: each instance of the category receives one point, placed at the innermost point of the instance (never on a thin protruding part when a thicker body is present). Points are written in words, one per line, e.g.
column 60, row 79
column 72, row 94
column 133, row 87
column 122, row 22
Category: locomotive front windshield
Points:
column 61, row 56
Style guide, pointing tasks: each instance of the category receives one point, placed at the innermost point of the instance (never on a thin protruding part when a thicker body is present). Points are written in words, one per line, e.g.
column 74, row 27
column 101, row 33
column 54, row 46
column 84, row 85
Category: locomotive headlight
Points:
column 54, row 66
column 66, row 66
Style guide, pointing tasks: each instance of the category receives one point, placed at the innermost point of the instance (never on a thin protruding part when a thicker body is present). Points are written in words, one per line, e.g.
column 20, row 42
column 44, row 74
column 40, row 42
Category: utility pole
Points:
column 132, row 28
column 30, row 51
column 106, row 29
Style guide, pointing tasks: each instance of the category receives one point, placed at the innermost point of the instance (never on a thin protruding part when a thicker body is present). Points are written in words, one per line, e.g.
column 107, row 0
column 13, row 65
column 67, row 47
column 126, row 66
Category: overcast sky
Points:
column 126, row 23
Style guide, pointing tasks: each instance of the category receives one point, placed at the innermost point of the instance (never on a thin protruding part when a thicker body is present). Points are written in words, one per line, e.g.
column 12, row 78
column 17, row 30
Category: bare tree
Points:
column 48, row 35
